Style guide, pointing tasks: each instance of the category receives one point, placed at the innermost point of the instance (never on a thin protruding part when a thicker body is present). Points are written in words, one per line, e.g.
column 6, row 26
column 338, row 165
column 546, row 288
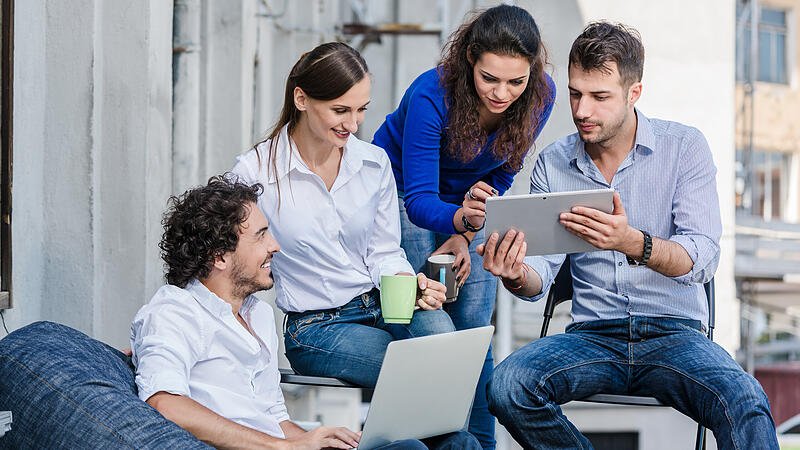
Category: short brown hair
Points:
column 604, row 42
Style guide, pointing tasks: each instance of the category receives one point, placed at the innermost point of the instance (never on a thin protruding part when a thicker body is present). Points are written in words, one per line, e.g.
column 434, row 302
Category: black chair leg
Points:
column 700, row 442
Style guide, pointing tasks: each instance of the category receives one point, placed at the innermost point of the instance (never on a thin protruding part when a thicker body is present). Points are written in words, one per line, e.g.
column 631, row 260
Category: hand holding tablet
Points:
column 538, row 216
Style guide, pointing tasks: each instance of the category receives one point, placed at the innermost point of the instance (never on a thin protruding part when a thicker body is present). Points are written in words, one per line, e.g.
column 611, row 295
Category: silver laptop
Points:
column 537, row 216
column 425, row 386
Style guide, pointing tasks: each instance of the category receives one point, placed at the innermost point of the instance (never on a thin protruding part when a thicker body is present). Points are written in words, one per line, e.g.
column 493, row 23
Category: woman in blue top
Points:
column 460, row 135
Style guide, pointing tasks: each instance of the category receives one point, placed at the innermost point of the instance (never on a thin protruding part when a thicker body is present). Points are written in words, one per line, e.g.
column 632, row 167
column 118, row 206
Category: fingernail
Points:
column 454, row 268
column 494, row 191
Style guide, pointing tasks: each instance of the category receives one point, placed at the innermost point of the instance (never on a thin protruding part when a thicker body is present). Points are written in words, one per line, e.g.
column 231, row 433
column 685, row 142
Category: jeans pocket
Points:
column 300, row 324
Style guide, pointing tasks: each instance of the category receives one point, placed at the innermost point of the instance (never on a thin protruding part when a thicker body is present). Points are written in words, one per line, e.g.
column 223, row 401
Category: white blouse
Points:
column 188, row 342
column 334, row 245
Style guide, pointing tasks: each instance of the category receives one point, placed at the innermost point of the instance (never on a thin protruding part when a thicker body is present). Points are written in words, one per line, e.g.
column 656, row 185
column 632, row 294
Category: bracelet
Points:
column 466, row 239
column 647, row 250
column 468, row 226
column 513, row 288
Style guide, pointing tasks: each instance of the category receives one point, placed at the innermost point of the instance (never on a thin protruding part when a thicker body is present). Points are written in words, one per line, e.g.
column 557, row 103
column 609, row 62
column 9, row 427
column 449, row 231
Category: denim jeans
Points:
column 460, row 440
column 472, row 309
column 349, row 342
column 67, row 390
column 669, row 359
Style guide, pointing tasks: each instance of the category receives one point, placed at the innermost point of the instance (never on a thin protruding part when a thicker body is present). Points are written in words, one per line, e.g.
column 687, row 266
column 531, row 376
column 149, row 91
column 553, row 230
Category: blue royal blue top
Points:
column 433, row 183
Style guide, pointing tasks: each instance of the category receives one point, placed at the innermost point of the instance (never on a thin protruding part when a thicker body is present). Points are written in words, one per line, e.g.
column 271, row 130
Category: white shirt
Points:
column 334, row 245
column 187, row 342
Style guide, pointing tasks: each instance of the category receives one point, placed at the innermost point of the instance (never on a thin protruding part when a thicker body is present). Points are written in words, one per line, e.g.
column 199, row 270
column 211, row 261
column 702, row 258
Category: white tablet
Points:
column 536, row 215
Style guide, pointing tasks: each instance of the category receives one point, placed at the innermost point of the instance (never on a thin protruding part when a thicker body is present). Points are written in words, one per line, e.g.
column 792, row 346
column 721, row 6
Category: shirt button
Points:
column 619, row 263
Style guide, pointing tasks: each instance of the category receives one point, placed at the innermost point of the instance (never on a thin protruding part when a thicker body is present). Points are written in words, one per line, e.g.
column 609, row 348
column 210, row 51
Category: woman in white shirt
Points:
column 331, row 201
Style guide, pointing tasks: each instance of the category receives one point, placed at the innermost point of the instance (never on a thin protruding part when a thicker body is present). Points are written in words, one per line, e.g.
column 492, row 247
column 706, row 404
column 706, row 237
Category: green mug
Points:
column 398, row 297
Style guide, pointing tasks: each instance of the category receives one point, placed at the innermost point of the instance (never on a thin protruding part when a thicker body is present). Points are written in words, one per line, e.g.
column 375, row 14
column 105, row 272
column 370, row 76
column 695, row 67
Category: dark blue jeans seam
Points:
column 547, row 376
column 719, row 397
column 68, row 399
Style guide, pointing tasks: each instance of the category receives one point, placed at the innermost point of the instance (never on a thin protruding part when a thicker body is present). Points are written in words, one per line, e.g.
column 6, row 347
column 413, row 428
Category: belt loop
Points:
column 285, row 322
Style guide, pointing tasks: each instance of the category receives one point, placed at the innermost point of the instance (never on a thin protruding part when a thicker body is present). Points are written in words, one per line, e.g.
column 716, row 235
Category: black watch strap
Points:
column 468, row 226
column 647, row 250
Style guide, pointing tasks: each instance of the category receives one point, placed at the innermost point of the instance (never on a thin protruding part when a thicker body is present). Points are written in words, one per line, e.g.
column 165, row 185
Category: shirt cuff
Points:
column 164, row 382
column 279, row 413
column 392, row 267
column 702, row 258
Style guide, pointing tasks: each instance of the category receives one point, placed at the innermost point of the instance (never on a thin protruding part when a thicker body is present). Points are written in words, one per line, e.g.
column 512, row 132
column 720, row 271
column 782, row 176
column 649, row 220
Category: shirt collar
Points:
column 645, row 139
column 287, row 159
column 211, row 302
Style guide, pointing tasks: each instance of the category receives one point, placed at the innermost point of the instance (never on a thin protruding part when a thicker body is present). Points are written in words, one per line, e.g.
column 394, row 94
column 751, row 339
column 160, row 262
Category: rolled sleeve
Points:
column 165, row 342
column 705, row 257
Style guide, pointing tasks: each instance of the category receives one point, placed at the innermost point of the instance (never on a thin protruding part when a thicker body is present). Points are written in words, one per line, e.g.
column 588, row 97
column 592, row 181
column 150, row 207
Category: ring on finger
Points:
column 469, row 194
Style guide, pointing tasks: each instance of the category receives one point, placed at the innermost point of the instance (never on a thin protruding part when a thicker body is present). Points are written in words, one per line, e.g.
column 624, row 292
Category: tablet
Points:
column 536, row 215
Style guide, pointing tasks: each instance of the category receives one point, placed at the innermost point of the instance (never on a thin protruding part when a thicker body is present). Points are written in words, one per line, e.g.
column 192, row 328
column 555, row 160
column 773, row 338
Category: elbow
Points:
column 165, row 403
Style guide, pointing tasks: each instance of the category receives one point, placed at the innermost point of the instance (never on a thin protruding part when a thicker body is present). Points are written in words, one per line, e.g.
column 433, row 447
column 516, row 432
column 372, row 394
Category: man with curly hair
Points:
column 205, row 349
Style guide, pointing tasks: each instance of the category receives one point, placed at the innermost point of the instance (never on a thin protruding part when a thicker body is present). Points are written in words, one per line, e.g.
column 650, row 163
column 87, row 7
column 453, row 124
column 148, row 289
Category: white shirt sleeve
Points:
column 166, row 341
column 384, row 254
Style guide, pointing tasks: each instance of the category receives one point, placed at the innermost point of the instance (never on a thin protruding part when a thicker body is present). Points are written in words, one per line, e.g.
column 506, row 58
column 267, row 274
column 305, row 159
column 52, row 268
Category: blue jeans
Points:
column 472, row 309
column 67, row 390
column 349, row 342
column 669, row 359
column 460, row 440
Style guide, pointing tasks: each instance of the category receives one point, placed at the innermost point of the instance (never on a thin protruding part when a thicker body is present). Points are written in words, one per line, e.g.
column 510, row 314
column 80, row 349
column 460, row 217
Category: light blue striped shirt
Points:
column 667, row 185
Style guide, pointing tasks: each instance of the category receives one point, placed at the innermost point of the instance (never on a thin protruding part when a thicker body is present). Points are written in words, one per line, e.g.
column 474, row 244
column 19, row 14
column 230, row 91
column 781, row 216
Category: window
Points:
column 772, row 46
column 769, row 180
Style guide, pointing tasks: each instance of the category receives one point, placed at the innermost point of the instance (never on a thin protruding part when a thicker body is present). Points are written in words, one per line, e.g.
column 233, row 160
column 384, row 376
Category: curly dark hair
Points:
column 503, row 30
column 204, row 223
column 602, row 43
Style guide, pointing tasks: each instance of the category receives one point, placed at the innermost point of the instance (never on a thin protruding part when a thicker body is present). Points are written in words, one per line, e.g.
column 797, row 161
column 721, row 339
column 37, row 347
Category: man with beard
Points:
column 205, row 349
column 639, row 310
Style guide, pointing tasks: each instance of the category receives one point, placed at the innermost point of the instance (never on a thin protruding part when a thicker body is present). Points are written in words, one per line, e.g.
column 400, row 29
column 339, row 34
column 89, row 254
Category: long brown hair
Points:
column 325, row 73
column 503, row 30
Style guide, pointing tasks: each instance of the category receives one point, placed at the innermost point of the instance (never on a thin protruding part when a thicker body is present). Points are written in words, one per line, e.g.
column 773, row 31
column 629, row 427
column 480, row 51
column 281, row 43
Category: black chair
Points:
column 561, row 291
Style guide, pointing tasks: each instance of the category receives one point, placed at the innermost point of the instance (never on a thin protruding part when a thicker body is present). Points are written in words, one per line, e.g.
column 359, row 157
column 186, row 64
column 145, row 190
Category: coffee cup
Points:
column 440, row 268
column 398, row 297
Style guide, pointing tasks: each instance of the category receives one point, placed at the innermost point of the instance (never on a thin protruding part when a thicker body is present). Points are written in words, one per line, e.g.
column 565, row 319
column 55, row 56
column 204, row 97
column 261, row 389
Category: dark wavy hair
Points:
column 503, row 30
column 604, row 42
column 204, row 223
column 325, row 73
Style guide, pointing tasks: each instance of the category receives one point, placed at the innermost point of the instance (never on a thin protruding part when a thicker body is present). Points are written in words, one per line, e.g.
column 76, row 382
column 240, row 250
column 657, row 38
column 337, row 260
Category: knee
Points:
column 434, row 322
column 408, row 444
column 507, row 391
column 746, row 394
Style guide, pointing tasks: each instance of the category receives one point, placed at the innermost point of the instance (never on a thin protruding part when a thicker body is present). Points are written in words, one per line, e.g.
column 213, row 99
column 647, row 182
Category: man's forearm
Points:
column 208, row 426
column 291, row 429
column 669, row 258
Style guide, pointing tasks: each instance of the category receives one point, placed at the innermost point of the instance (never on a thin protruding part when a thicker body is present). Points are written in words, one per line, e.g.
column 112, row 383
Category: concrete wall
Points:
column 92, row 119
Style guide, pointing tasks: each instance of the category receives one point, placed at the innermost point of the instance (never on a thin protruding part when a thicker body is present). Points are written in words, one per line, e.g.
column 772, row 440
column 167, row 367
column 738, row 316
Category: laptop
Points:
column 537, row 216
column 425, row 386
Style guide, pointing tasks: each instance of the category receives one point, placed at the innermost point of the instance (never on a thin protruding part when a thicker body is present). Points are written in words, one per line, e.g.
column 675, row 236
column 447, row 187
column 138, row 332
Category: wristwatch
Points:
column 646, row 251
column 468, row 226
